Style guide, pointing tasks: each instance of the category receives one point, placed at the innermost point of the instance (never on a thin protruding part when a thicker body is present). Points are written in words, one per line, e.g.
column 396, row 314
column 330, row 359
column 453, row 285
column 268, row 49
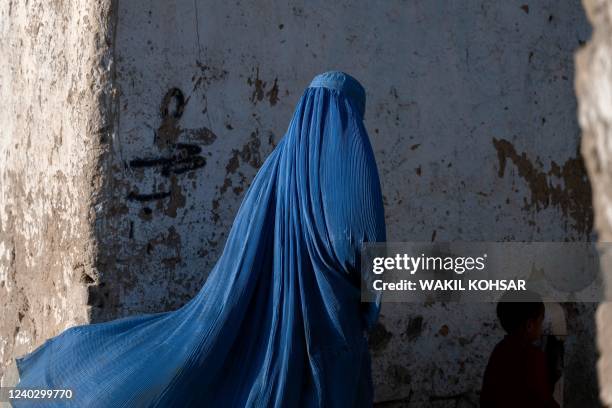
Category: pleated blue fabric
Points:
column 279, row 321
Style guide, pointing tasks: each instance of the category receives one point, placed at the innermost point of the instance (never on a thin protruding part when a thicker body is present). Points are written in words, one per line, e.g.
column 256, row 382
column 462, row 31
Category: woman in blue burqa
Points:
column 279, row 321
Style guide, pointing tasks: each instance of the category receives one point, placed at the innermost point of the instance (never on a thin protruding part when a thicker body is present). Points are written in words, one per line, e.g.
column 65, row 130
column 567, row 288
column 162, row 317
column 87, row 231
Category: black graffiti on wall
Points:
column 180, row 149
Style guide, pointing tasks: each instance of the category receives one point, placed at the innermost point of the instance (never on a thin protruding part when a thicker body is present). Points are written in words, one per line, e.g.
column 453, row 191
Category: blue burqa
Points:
column 279, row 322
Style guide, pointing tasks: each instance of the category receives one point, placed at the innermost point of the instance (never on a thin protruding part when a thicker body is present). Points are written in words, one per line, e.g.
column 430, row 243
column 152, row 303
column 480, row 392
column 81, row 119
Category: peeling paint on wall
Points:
column 571, row 193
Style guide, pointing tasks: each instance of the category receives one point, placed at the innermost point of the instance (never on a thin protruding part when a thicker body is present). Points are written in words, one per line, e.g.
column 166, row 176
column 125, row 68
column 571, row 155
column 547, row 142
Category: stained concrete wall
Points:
column 470, row 110
column 52, row 76
column 593, row 85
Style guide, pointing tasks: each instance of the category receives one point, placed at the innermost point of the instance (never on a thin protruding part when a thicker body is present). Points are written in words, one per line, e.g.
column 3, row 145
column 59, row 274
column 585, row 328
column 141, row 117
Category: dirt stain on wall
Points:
column 260, row 89
column 249, row 154
column 572, row 194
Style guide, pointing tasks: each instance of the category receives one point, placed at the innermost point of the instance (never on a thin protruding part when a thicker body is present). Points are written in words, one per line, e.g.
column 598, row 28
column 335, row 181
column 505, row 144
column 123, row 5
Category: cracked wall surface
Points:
column 471, row 114
column 51, row 78
column 593, row 84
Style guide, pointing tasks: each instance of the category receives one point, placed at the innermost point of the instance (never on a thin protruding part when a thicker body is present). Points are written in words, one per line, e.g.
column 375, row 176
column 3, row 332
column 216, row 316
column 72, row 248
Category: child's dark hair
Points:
column 515, row 309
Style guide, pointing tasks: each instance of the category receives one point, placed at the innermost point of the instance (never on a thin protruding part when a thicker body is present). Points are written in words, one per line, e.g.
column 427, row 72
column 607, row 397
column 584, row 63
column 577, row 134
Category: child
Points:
column 517, row 373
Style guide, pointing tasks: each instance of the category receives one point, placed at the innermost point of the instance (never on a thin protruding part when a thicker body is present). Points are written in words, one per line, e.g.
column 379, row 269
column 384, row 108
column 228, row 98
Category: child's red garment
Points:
column 517, row 376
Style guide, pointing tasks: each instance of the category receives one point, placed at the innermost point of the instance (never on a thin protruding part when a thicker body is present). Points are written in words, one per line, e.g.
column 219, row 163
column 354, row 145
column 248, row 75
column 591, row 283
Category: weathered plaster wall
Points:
column 52, row 73
column 471, row 113
column 166, row 109
column 593, row 88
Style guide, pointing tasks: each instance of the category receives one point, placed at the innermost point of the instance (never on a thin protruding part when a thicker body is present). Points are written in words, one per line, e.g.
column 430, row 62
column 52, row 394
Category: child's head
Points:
column 522, row 318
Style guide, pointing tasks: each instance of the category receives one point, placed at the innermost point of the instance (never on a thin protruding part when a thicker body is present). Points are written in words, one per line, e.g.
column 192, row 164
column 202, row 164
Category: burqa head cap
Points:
column 343, row 83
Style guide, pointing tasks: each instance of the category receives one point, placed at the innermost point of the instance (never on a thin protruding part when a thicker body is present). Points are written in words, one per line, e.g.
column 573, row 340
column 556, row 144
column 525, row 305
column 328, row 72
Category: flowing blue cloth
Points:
column 279, row 321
